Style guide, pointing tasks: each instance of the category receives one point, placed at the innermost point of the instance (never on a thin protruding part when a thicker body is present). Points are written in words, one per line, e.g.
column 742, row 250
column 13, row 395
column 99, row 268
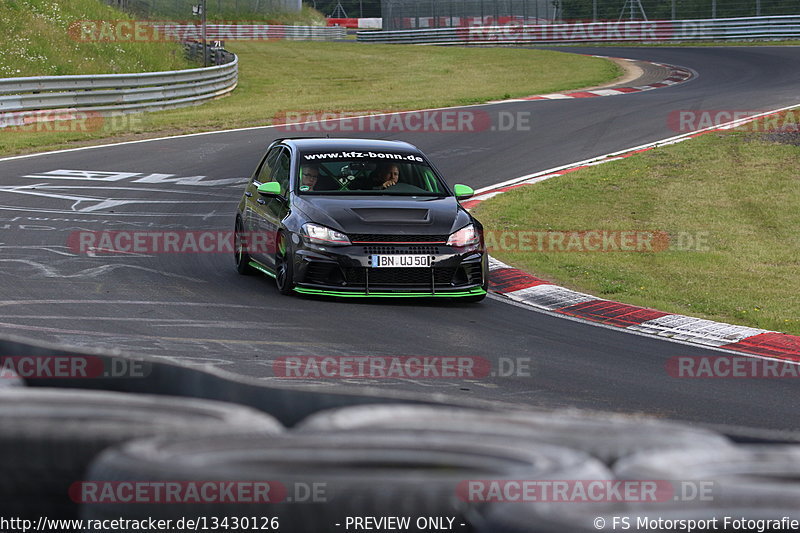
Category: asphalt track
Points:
column 194, row 307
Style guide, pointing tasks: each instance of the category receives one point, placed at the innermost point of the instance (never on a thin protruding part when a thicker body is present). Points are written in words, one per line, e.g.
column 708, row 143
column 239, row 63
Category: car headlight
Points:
column 316, row 234
column 466, row 236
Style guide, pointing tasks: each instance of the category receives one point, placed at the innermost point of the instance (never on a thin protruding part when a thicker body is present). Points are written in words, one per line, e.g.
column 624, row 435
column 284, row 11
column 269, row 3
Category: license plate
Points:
column 401, row 260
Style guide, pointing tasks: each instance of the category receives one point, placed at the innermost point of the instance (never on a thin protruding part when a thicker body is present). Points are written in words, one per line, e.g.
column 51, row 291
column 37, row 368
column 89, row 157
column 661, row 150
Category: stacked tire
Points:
column 50, row 436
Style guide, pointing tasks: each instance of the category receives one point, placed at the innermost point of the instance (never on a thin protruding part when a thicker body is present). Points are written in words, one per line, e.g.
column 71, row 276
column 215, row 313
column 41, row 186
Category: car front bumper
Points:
column 346, row 271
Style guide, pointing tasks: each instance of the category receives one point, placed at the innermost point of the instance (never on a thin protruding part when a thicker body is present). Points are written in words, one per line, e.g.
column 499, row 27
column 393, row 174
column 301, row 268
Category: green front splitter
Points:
column 345, row 294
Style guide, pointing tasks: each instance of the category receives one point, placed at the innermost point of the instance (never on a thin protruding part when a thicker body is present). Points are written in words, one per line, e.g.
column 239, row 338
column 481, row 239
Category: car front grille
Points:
column 400, row 249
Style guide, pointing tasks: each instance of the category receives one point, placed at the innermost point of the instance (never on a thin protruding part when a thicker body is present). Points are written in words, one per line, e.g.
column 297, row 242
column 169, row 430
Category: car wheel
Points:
column 284, row 265
column 240, row 250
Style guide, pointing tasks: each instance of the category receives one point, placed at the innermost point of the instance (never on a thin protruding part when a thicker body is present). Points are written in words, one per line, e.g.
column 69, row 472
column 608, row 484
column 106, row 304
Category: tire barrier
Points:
column 756, row 474
column 737, row 488
column 49, row 436
column 605, row 436
column 381, row 452
column 358, row 474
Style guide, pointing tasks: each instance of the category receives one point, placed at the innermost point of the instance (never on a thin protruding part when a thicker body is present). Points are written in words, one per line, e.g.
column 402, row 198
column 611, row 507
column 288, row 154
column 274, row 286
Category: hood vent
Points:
column 391, row 215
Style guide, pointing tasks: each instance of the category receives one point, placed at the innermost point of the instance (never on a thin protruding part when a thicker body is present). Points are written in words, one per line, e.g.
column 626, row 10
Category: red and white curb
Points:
column 541, row 294
column 676, row 75
column 532, row 291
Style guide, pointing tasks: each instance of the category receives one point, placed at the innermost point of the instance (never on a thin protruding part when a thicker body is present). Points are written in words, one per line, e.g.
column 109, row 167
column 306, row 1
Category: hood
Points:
column 398, row 215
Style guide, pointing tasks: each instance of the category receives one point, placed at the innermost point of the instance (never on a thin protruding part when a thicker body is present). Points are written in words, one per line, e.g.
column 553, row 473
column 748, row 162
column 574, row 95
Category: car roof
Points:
column 314, row 144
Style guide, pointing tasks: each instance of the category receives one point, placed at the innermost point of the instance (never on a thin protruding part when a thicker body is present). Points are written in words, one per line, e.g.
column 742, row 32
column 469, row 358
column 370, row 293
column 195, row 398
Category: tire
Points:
column 759, row 474
column 361, row 474
column 50, row 436
column 284, row 265
column 743, row 482
column 606, row 436
column 240, row 250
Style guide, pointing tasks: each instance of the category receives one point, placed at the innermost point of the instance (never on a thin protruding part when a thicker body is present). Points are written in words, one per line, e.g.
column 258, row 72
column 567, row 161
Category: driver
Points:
column 386, row 175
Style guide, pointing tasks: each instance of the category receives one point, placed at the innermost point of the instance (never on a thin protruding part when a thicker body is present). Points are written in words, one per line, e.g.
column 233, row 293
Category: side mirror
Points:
column 271, row 188
column 463, row 192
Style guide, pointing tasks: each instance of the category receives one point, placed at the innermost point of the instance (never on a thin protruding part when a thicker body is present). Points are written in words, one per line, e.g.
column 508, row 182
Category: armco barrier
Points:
column 104, row 93
column 750, row 28
column 51, row 98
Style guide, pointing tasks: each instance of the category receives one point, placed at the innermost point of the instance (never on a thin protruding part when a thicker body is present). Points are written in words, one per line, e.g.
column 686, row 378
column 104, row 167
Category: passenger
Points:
column 309, row 174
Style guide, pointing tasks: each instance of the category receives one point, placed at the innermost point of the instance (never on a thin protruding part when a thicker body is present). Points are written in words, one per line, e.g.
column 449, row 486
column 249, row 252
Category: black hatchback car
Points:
column 359, row 218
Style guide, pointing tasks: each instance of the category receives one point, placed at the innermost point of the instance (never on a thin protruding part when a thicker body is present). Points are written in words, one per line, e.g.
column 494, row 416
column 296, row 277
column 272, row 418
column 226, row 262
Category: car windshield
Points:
column 376, row 173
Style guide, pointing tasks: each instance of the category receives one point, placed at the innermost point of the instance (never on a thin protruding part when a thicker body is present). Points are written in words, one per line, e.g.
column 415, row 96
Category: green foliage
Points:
column 38, row 42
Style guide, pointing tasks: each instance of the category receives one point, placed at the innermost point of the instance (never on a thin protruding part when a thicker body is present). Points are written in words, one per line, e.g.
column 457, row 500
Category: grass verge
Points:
column 729, row 201
column 284, row 76
column 37, row 42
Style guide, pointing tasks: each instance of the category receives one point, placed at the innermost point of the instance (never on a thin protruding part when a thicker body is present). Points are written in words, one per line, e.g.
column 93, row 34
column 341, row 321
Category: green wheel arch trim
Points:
column 345, row 294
